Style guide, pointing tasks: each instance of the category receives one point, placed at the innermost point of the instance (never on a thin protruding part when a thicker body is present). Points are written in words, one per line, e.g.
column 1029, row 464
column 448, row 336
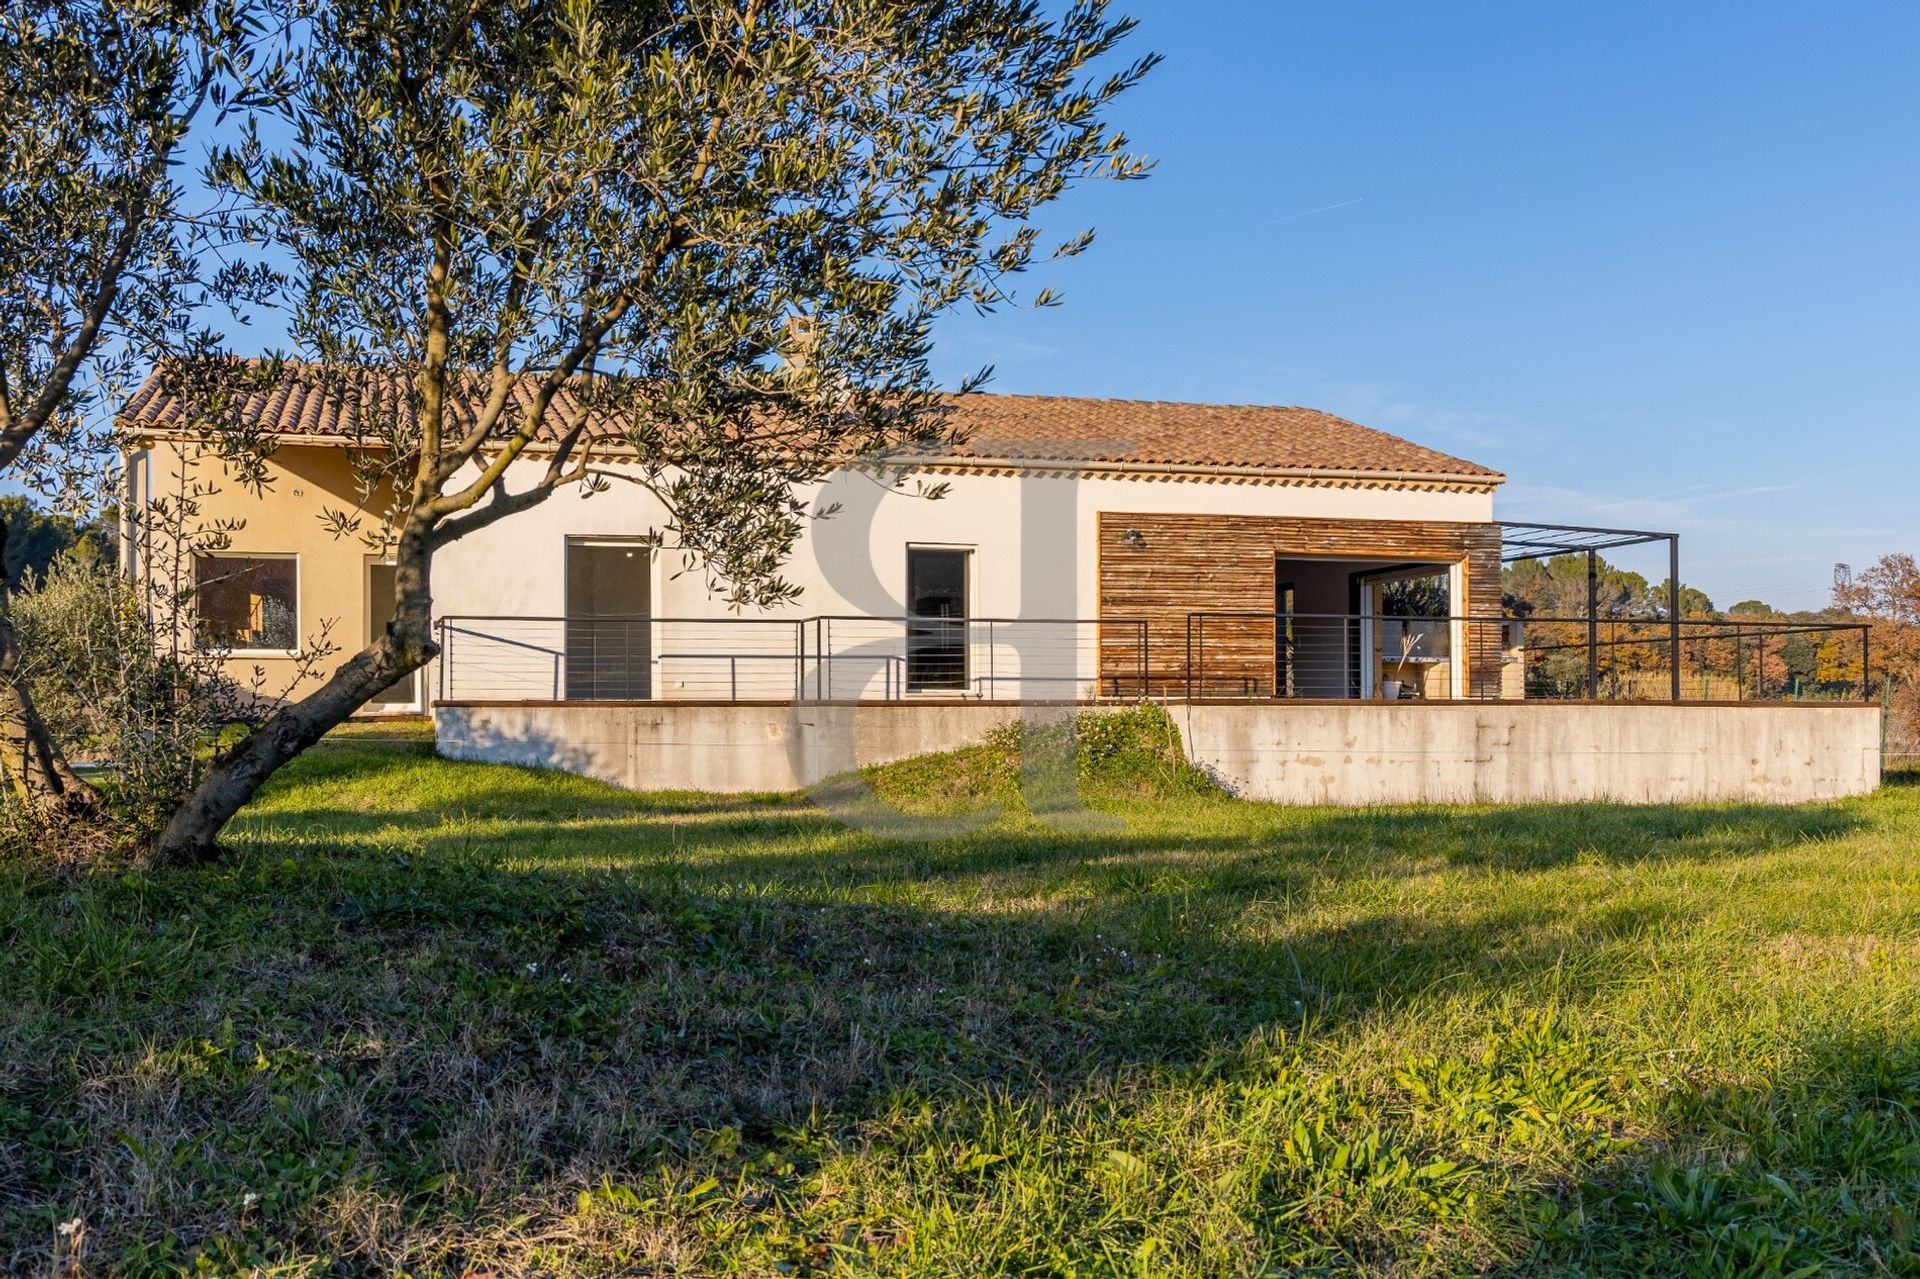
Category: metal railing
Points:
column 1219, row 655
column 1347, row 656
column 824, row 658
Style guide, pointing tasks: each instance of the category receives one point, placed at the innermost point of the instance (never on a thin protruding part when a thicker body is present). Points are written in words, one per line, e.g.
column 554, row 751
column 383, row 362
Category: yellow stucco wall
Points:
column 285, row 520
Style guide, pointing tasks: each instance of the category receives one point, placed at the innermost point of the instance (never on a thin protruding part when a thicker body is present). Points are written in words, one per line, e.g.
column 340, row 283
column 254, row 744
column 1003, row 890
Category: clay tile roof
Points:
column 1136, row 434
column 1228, row 436
column 302, row 402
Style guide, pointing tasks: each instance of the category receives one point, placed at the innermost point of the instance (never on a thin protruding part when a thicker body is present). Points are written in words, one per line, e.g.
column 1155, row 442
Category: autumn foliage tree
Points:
column 1887, row 594
column 696, row 245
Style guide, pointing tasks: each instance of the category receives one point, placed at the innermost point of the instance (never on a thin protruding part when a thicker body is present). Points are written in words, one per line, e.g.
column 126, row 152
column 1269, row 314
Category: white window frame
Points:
column 1455, row 571
column 969, row 550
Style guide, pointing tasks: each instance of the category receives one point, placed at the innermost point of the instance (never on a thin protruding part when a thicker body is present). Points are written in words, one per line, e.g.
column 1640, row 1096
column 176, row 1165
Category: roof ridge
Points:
column 1146, row 403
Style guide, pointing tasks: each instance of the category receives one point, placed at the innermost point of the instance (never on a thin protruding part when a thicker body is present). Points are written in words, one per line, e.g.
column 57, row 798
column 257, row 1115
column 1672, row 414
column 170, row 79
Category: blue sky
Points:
column 1660, row 264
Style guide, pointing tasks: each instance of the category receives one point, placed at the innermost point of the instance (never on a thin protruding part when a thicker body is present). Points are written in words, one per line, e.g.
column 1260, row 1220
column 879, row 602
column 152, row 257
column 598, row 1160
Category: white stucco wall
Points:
column 1032, row 539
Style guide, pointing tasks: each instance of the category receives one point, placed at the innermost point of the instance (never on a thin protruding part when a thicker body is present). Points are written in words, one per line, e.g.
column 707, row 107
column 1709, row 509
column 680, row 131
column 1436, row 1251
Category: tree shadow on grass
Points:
column 429, row 1030
column 1257, row 850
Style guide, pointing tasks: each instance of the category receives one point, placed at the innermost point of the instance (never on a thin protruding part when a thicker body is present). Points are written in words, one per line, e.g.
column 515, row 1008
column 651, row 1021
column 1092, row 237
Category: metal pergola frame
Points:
column 1521, row 540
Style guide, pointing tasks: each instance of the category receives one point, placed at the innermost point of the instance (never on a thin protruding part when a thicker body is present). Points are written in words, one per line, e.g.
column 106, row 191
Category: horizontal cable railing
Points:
column 616, row 658
column 1346, row 656
column 991, row 659
column 825, row 658
column 1203, row 655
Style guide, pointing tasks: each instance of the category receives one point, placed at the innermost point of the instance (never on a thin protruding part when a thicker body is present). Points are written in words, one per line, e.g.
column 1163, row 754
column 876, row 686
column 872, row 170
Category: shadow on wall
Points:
column 478, row 739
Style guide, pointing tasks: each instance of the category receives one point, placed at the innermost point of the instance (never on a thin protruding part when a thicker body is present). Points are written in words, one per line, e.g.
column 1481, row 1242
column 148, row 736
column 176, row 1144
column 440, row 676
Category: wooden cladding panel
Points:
column 1225, row 564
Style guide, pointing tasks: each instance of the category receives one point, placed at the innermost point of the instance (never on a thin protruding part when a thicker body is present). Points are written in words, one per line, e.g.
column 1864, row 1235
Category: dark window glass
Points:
column 247, row 601
column 937, row 625
column 1285, row 642
column 1416, row 597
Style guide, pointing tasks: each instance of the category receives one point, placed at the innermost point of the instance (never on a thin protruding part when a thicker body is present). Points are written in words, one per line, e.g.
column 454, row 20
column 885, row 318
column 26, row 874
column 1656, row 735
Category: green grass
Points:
column 432, row 1018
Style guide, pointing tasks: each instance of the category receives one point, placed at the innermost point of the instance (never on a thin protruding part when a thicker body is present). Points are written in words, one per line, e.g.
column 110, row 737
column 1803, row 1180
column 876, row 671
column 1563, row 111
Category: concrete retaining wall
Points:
column 1346, row 754
column 725, row 748
column 1533, row 752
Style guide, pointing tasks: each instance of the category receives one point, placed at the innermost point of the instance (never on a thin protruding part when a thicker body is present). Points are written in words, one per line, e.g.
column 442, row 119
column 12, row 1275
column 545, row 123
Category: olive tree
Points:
column 100, row 255
column 702, row 239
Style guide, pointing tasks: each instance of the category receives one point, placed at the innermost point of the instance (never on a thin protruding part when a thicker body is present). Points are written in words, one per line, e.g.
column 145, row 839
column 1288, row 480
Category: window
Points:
column 248, row 601
column 1413, row 613
column 937, row 625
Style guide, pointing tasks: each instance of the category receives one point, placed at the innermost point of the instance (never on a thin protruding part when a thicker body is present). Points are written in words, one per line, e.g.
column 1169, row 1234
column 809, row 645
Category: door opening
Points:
column 1410, row 649
column 1325, row 639
column 936, row 620
column 404, row 696
column 609, row 621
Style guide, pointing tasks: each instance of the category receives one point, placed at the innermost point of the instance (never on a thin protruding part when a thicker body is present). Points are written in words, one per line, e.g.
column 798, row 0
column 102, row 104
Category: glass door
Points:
column 609, row 622
column 404, row 696
column 936, row 620
column 1283, row 640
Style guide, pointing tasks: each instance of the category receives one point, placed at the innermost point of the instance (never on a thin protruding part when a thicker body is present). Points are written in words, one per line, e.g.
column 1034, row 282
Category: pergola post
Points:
column 1593, row 625
column 1673, row 610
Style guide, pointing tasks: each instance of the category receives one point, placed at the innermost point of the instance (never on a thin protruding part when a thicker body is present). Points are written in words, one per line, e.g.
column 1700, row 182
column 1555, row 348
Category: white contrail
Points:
column 1325, row 208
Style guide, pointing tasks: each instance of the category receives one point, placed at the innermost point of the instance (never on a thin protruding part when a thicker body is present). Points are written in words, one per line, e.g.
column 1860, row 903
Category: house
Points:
column 1060, row 515
column 1297, row 582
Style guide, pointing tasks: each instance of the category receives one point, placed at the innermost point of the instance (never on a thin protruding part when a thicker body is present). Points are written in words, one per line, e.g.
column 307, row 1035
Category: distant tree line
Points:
column 36, row 536
column 1887, row 594
column 1719, row 661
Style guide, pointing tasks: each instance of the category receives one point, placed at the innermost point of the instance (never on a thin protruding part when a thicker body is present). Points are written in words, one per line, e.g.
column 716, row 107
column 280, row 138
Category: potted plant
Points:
column 1390, row 689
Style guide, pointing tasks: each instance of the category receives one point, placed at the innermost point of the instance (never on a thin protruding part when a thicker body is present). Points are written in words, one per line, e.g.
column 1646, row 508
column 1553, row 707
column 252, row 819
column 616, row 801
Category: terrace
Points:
column 1398, row 645
column 1406, row 698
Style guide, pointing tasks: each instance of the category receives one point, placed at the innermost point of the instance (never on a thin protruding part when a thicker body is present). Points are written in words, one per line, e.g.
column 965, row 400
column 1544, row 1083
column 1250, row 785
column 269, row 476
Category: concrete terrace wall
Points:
column 1345, row 754
column 723, row 748
column 1521, row 753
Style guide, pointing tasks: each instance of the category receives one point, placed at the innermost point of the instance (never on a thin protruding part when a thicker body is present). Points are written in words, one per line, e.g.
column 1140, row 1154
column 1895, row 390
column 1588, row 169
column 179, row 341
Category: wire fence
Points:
column 1348, row 656
column 827, row 658
column 1203, row 655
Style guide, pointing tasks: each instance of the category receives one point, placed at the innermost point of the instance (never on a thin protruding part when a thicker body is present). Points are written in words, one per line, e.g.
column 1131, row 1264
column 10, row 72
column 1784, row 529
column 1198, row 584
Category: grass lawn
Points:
column 435, row 1018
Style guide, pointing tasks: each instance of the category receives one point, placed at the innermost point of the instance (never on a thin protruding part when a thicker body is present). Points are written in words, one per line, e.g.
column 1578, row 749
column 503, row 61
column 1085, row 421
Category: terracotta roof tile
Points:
column 1249, row 436
column 1133, row 433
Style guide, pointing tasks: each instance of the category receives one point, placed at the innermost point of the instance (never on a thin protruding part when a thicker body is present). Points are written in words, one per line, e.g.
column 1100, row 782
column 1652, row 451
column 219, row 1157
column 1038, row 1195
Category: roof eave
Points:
column 1473, row 480
column 1453, row 479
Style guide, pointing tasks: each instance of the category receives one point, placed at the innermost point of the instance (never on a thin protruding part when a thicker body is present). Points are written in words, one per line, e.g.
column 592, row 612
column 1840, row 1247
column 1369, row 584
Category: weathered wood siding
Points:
column 1225, row 564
